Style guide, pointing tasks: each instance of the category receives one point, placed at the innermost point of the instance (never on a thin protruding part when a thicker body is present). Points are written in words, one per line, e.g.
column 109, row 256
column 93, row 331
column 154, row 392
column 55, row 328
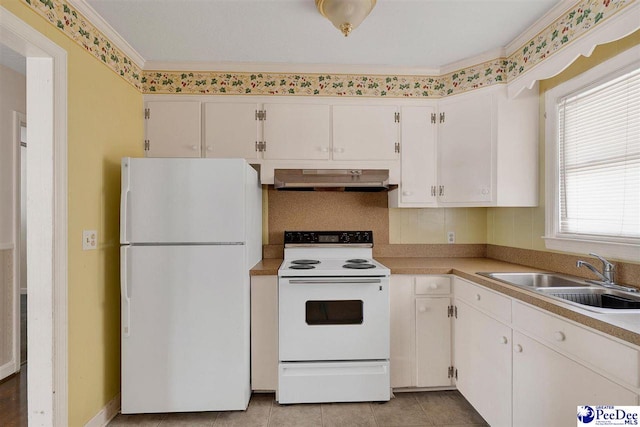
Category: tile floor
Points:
column 433, row 408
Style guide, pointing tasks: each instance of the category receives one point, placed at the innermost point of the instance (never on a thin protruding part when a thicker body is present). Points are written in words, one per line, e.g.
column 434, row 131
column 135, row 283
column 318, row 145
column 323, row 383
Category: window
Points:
column 593, row 161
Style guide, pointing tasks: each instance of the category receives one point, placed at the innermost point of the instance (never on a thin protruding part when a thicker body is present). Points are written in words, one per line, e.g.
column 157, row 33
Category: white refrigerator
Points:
column 190, row 230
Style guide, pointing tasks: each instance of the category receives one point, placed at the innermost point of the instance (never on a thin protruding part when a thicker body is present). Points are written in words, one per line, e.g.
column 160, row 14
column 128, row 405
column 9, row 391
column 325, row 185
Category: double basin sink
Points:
column 573, row 290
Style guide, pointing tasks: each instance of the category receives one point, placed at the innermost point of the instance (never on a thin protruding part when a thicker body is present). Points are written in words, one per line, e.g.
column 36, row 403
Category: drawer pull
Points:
column 478, row 297
column 517, row 348
column 433, row 286
column 559, row 336
column 422, row 309
column 504, row 340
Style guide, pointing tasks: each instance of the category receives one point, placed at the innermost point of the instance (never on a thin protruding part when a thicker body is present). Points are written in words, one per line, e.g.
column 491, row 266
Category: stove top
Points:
column 329, row 253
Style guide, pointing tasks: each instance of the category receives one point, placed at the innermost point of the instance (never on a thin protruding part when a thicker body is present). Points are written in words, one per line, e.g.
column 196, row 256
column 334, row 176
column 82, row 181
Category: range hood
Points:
column 331, row 179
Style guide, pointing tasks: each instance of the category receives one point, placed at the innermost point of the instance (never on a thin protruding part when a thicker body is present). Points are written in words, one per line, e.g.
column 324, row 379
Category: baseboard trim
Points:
column 106, row 414
column 8, row 369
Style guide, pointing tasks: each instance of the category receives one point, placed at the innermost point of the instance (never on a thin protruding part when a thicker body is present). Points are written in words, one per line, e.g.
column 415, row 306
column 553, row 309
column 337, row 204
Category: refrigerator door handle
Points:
column 124, row 202
column 125, row 291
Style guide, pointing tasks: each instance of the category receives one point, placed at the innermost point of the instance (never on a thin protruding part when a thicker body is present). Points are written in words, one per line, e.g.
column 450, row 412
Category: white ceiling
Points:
column 419, row 34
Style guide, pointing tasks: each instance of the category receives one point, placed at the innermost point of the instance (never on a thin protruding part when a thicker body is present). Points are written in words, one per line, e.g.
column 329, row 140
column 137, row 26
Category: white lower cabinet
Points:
column 548, row 386
column 483, row 363
column 264, row 333
column 433, row 342
column 420, row 331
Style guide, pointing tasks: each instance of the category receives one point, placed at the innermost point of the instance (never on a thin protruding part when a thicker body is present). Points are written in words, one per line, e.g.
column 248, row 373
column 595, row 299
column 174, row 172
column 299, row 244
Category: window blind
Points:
column 599, row 159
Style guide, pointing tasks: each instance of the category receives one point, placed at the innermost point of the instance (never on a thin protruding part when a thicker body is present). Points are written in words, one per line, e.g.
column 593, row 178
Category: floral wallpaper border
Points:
column 582, row 17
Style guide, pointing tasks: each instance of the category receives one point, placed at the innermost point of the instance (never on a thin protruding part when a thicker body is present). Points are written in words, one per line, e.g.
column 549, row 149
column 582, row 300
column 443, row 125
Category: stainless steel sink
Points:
column 572, row 290
column 538, row 280
column 597, row 299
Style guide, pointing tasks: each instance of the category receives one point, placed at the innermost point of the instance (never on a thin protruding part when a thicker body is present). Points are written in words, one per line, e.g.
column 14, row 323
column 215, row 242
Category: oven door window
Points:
column 336, row 312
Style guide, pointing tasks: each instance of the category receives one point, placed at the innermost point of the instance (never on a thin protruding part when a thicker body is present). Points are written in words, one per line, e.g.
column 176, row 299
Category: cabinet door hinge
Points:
column 261, row 114
column 397, row 147
column 396, row 117
column 441, row 190
column 433, row 118
column 147, row 113
column 441, row 117
column 261, row 146
column 451, row 371
column 433, row 190
column 147, row 145
column 450, row 311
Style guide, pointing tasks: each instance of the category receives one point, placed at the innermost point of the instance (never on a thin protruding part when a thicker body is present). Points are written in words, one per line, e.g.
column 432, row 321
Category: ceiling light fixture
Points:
column 345, row 15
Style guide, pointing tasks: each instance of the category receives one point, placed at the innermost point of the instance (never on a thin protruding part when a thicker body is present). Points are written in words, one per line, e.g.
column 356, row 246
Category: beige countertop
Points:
column 625, row 326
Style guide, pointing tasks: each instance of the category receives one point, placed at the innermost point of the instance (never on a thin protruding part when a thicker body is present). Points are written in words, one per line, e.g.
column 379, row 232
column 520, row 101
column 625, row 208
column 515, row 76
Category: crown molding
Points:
column 105, row 28
column 277, row 67
column 490, row 55
column 556, row 12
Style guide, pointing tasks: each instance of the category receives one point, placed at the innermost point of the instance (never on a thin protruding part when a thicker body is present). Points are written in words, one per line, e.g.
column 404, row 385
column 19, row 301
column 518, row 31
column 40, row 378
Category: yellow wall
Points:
column 104, row 124
column 432, row 225
column 524, row 227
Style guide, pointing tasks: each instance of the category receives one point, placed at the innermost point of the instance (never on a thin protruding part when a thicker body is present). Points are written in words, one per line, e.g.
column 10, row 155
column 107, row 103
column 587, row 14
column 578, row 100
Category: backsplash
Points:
column 327, row 210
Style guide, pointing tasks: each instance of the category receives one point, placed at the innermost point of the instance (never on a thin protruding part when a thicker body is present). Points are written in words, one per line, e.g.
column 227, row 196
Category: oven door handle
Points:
column 332, row 281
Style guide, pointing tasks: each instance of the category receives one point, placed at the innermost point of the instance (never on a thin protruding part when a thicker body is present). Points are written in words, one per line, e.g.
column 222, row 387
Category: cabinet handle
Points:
column 407, row 193
column 478, row 297
column 485, row 191
column 517, row 348
column 559, row 336
column 422, row 309
column 504, row 340
column 194, row 147
column 209, row 148
column 433, row 286
column 338, row 150
column 324, row 149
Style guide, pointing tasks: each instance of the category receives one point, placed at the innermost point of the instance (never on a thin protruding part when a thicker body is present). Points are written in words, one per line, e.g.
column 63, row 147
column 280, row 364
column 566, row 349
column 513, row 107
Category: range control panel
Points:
column 328, row 237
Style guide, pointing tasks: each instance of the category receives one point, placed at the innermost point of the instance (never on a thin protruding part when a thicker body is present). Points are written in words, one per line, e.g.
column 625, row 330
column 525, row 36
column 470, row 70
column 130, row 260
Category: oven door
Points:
column 333, row 318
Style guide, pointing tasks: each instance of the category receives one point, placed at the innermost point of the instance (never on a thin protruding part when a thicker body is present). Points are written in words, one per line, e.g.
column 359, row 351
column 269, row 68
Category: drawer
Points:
column 612, row 357
column 484, row 299
column 433, row 285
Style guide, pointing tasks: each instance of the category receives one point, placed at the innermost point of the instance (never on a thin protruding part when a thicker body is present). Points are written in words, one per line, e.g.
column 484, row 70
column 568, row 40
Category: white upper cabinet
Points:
column 418, row 156
column 296, row 132
column 485, row 152
column 172, row 129
column 365, row 132
column 465, row 149
column 231, row 130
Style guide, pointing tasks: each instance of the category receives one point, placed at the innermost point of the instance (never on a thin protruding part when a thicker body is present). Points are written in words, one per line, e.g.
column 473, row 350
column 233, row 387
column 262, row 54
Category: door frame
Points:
column 18, row 120
column 47, row 376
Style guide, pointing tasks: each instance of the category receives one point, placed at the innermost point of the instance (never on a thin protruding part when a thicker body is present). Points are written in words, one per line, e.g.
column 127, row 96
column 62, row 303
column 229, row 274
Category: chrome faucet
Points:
column 607, row 276
column 608, row 269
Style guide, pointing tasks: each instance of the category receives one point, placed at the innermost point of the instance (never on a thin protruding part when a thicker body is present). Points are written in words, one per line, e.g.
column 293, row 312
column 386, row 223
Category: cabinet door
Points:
column 264, row 333
column 548, row 387
column 417, row 156
column 230, row 130
column 364, row 132
column 402, row 331
column 173, row 129
column 465, row 149
column 483, row 363
column 296, row 132
column 433, row 341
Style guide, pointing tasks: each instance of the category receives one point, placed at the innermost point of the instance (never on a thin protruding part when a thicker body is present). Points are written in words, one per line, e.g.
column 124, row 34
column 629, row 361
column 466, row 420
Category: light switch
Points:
column 89, row 240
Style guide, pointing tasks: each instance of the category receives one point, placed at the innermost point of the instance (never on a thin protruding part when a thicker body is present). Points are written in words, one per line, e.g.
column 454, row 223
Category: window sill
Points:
column 622, row 251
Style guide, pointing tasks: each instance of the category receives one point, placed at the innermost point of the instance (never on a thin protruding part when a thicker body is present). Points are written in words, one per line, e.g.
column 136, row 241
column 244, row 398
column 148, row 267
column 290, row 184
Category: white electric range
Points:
column 333, row 319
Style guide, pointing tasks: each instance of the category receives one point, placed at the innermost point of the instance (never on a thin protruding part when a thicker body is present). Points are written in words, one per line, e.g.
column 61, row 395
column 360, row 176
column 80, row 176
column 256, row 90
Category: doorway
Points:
column 46, row 218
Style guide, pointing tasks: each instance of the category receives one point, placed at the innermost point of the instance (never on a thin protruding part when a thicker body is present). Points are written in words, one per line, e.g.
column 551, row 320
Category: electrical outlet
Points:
column 451, row 237
column 89, row 240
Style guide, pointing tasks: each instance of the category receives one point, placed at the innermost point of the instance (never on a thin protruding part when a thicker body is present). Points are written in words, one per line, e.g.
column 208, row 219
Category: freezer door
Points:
column 183, row 200
column 185, row 329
